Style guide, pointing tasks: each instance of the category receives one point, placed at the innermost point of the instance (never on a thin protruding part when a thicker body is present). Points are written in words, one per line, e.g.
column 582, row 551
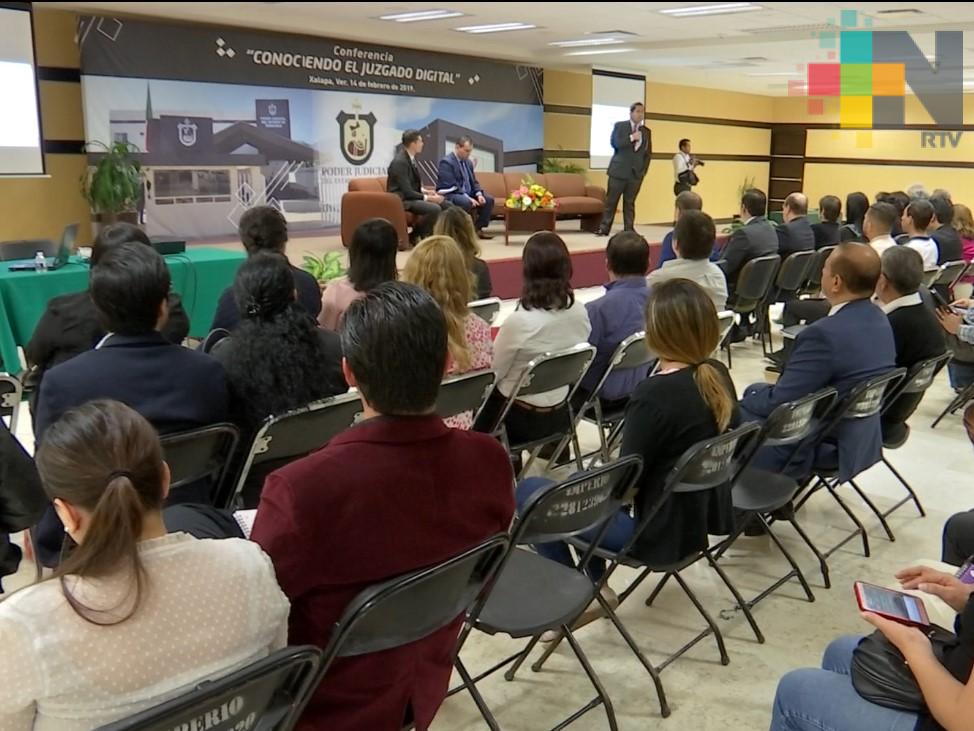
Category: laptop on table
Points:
column 63, row 253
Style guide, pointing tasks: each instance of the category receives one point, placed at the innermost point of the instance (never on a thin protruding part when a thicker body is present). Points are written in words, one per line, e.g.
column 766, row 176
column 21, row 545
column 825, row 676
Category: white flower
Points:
column 526, row 200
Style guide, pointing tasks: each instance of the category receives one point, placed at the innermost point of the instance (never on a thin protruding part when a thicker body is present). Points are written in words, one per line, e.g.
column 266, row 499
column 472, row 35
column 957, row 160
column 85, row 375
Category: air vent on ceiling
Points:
column 899, row 11
column 810, row 29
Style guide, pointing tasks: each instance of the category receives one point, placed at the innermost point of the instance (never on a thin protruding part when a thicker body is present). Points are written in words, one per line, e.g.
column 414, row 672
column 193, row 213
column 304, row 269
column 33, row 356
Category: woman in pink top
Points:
column 371, row 261
column 438, row 265
column 964, row 223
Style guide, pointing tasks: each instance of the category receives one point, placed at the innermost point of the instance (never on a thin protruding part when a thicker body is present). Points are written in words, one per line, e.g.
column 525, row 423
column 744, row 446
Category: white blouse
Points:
column 526, row 334
column 210, row 607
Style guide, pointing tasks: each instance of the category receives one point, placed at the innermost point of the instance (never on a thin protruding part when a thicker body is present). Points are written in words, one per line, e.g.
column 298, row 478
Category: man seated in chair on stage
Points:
column 853, row 344
column 397, row 492
column 457, row 183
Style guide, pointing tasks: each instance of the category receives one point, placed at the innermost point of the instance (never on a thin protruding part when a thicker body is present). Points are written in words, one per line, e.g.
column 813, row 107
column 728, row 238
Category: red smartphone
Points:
column 891, row 604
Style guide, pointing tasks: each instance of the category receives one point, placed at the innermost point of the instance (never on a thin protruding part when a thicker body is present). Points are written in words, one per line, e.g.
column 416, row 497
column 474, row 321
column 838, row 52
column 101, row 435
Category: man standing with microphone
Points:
column 633, row 145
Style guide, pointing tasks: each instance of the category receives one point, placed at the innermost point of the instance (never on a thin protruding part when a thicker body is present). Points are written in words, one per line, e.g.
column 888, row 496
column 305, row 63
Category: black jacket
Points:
column 826, row 234
column 794, row 236
column 404, row 178
column 22, row 499
column 309, row 298
column 753, row 239
column 627, row 163
column 949, row 245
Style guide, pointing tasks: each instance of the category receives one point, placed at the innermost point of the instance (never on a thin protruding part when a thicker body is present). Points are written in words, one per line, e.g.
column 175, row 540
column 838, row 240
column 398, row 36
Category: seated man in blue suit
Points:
column 457, row 183
column 173, row 387
column 853, row 344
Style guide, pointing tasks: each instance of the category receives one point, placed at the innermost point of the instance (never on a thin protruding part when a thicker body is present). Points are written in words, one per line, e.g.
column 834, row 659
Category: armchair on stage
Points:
column 575, row 199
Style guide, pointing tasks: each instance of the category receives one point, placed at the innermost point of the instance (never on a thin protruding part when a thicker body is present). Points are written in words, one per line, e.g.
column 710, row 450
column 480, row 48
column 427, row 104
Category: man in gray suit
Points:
column 633, row 145
column 755, row 238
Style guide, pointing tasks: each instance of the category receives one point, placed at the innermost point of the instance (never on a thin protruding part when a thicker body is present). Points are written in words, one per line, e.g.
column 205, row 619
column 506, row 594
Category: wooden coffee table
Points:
column 542, row 219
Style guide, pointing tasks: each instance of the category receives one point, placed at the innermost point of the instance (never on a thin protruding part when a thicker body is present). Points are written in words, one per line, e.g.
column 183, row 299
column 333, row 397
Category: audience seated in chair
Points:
column 22, row 500
column 916, row 333
column 916, row 221
column 457, row 183
column 277, row 359
column 371, row 261
column 693, row 242
column 133, row 617
column 960, row 325
column 826, row 231
column 405, row 181
column 264, row 228
column 457, row 224
column 754, row 239
column 437, row 265
column 615, row 316
column 685, row 201
column 878, row 226
column 173, row 387
column 688, row 399
column 949, row 246
column 547, row 319
column 852, row 344
column 397, row 492
column 795, row 234
column 70, row 324
column 856, row 205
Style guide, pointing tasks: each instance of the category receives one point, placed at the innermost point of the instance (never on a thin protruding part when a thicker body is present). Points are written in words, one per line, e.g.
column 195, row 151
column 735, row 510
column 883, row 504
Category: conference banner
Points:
column 238, row 118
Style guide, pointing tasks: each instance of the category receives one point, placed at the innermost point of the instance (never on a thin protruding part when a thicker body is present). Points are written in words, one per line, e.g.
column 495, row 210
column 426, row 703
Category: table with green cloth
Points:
column 199, row 275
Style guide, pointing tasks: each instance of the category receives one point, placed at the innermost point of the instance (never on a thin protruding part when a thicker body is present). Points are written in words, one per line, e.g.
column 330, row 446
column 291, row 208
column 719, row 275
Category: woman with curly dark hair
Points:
column 547, row 319
column 276, row 359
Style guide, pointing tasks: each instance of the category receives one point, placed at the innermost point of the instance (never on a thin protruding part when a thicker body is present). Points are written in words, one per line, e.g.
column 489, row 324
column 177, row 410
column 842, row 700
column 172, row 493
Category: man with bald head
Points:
column 851, row 345
column 796, row 233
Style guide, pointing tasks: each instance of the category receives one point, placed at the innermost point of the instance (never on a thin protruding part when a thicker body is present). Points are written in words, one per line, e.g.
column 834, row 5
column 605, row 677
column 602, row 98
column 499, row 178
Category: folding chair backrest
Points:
column 710, row 463
column 11, row 394
column 213, row 337
column 200, row 454
column 755, row 280
column 408, row 608
column 633, row 352
column 577, row 504
column 866, row 399
column 268, row 695
column 793, row 422
column 813, row 275
column 467, row 392
column 794, row 271
column 486, row 309
column 918, row 378
column 725, row 321
column 555, row 370
column 949, row 272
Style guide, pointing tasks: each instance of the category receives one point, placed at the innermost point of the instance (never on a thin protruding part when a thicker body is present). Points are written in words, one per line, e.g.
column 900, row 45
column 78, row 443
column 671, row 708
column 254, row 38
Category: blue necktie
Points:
column 466, row 178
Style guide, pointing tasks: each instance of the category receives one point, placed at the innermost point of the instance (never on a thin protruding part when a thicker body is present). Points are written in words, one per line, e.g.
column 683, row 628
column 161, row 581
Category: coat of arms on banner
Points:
column 187, row 132
column 356, row 135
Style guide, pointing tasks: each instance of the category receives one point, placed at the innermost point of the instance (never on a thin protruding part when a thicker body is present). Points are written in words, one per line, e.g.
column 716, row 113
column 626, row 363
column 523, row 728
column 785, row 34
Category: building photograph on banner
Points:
column 212, row 149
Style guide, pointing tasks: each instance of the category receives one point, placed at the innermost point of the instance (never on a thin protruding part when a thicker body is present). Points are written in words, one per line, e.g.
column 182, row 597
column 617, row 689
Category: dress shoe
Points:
column 600, row 232
column 481, row 234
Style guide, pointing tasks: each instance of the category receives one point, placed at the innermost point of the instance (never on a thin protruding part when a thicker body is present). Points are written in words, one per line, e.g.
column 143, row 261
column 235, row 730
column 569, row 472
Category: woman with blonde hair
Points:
column 688, row 398
column 457, row 224
column 438, row 266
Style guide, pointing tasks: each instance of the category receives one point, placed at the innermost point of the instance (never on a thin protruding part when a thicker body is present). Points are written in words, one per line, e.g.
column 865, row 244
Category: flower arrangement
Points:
column 530, row 197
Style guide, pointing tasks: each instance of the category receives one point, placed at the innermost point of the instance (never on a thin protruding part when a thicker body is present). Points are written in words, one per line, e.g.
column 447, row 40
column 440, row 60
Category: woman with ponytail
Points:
column 689, row 398
column 133, row 617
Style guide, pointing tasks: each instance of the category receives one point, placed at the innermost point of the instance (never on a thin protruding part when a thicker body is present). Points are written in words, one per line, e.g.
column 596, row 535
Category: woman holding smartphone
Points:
column 800, row 702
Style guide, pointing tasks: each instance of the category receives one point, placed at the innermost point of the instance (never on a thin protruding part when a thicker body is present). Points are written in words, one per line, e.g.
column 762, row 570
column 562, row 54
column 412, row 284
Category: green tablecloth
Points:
column 199, row 276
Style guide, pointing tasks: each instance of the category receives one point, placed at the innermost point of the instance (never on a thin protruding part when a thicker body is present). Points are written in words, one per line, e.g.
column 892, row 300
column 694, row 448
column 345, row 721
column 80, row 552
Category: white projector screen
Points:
column 612, row 95
column 20, row 127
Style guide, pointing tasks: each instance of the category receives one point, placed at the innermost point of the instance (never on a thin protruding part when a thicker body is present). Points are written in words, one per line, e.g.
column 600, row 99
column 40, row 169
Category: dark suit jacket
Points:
column 841, row 351
column 796, row 235
column 22, row 498
column 627, row 163
column 918, row 337
column 227, row 316
column 949, row 245
column 753, row 239
column 450, row 178
column 388, row 496
column 826, row 234
column 403, row 179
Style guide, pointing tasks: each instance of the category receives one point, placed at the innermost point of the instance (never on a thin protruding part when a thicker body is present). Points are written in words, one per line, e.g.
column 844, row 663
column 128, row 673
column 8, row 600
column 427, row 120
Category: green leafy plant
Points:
column 324, row 268
column 741, row 190
column 555, row 165
column 114, row 185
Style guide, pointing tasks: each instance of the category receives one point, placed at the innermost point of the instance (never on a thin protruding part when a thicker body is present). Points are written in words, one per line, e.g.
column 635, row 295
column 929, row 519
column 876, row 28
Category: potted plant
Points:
column 113, row 187
column 555, row 165
column 737, row 223
column 325, row 268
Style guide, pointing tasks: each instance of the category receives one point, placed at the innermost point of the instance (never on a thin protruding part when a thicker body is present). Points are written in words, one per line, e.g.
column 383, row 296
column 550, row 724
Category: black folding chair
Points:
column 11, row 395
column 707, row 465
column 201, row 456
column 533, row 594
column 268, row 695
column 290, row 436
column 761, row 495
column 213, row 337
column 813, row 275
column 863, row 402
column 753, row 283
column 549, row 372
column 486, row 309
column 916, row 382
column 948, row 273
column 956, row 403
column 791, row 276
column 633, row 352
column 466, row 393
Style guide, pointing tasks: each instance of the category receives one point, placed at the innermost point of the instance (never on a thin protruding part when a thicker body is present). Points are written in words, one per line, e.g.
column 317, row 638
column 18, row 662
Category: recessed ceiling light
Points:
column 587, row 42
column 718, row 9
column 599, row 52
column 495, row 27
column 417, row 15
